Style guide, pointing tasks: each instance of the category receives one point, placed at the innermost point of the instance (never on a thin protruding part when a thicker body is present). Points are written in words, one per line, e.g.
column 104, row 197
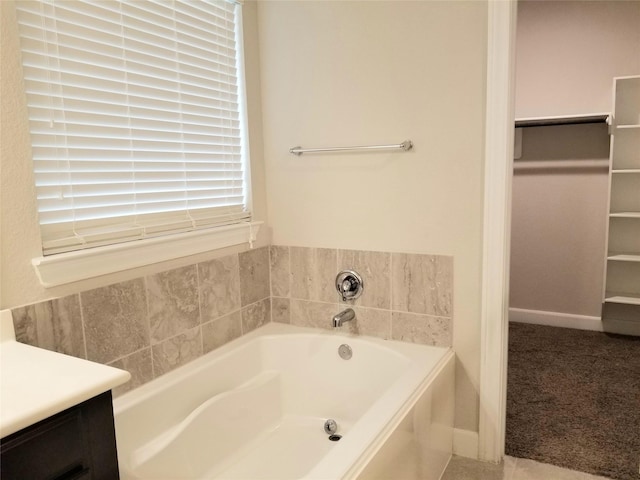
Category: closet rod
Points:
column 406, row 145
column 569, row 120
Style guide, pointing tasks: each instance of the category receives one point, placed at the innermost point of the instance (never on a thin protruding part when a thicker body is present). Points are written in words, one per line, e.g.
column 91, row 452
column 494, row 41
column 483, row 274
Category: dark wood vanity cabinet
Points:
column 78, row 443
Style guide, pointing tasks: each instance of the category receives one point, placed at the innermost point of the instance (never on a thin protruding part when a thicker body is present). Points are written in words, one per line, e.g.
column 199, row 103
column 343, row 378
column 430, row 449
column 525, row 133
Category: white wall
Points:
column 345, row 73
column 20, row 235
column 569, row 51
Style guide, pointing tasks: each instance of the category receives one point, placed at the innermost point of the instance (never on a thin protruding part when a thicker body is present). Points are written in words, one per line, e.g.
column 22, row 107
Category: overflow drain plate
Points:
column 335, row 438
column 345, row 351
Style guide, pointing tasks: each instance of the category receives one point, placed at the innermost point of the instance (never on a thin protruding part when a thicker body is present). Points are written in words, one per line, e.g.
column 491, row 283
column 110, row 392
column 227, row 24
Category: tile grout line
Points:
column 122, row 357
column 240, row 293
column 270, row 251
column 391, row 292
column 197, row 266
column 148, row 322
column 84, row 335
column 269, row 295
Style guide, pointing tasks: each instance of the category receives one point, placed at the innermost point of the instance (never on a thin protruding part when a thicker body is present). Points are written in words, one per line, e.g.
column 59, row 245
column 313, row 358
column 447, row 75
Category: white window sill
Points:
column 71, row 267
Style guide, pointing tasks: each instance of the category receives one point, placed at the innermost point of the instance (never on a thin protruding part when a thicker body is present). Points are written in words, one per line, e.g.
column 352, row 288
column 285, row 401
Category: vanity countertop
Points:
column 37, row 383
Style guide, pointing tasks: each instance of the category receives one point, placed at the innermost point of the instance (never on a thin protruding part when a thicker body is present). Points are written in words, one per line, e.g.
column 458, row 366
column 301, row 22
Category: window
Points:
column 137, row 118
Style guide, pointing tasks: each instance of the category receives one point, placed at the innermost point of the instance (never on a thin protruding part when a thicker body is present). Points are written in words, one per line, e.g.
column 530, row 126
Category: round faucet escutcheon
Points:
column 349, row 285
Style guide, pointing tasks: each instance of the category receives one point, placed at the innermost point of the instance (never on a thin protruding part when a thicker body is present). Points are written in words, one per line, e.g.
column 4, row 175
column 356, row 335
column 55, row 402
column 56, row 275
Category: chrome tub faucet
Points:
column 344, row 316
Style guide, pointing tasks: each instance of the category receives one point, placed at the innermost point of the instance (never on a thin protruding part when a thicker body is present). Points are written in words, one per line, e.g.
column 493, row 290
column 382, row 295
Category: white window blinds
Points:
column 136, row 117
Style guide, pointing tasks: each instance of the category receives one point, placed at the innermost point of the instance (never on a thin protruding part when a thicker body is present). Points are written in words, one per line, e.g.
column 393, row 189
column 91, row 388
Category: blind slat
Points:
column 80, row 121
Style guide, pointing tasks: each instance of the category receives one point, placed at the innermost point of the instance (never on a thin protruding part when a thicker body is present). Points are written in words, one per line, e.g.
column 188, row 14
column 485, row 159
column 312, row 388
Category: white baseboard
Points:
column 465, row 443
column 555, row 319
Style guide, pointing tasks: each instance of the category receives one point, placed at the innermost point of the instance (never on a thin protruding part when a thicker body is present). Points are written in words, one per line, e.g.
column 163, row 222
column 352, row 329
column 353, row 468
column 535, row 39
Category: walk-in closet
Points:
column 574, row 310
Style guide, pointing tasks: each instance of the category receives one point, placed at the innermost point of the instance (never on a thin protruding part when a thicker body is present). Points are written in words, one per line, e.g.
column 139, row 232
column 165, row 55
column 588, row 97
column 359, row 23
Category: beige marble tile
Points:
column 509, row 465
column 256, row 315
column 115, row 320
column 139, row 365
column 62, row 322
column 54, row 325
column 280, row 310
column 313, row 314
column 423, row 329
column 173, row 302
column 526, row 469
column 24, row 324
column 371, row 322
column 176, row 351
column 422, row 284
column 254, row 275
column 375, row 270
column 313, row 274
column 221, row 330
column 219, row 287
column 461, row 468
column 280, row 271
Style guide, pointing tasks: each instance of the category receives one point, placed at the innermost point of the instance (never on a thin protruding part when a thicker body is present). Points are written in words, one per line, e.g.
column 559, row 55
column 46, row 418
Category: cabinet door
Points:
column 77, row 444
column 53, row 449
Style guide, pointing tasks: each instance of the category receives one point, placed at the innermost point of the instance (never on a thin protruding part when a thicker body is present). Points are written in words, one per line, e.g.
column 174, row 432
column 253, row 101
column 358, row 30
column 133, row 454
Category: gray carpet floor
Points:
column 573, row 399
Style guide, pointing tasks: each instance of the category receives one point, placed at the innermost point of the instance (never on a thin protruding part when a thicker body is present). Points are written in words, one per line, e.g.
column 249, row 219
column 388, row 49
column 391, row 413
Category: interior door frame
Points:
column 499, row 133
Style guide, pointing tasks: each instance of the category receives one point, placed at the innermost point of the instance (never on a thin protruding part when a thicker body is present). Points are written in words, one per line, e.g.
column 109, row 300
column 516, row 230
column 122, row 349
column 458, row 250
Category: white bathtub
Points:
column 255, row 409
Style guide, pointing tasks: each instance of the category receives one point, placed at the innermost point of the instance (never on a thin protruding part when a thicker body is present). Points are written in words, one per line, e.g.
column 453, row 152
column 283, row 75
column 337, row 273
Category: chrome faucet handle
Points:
column 349, row 285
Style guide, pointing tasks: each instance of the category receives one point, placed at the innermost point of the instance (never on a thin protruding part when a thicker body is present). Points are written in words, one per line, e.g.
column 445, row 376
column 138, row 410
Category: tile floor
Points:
column 461, row 468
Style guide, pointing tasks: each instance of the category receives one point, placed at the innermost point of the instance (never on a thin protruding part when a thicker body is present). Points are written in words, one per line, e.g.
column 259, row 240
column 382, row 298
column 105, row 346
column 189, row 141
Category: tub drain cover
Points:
column 335, row 438
column 330, row 426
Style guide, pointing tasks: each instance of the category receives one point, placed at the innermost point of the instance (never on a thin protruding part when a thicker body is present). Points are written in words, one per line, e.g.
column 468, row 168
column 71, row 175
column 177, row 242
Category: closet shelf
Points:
column 627, row 127
column 624, row 298
column 625, row 214
column 562, row 120
column 624, row 257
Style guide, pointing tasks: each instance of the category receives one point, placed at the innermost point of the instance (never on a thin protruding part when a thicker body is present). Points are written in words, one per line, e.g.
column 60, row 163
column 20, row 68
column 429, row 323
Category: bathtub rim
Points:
column 141, row 393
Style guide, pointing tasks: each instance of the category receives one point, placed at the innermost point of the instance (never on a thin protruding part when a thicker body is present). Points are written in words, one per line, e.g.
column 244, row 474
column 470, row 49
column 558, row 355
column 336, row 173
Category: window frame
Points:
column 63, row 268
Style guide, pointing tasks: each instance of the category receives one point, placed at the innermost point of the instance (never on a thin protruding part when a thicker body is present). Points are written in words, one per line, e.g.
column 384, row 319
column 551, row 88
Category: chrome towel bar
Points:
column 406, row 145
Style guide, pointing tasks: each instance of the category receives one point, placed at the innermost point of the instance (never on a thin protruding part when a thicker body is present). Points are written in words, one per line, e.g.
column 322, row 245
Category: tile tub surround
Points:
column 54, row 325
column 153, row 324
column 407, row 297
